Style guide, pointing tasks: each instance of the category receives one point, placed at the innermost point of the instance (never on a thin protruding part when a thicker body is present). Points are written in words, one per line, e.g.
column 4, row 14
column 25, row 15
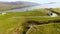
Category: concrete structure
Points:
column 52, row 13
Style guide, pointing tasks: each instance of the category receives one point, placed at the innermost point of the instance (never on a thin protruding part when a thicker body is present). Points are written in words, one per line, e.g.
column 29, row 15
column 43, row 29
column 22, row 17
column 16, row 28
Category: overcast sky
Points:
column 37, row 1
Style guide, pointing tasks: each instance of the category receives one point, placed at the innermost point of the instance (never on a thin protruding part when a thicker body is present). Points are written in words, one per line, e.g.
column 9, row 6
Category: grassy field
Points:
column 11, row 25
column 27, row 13
column 57, row 10
column 52, row 28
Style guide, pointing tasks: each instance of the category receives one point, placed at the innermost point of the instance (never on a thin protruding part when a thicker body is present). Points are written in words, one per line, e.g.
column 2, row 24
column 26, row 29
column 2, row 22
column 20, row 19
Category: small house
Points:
column 3, row 13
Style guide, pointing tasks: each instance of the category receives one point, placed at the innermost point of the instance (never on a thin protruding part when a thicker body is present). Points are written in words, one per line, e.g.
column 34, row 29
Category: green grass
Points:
column 7, row 24
column 27, row 13
column 14, row 22
column 57, row 10
column 10, row 25
column 45, row 29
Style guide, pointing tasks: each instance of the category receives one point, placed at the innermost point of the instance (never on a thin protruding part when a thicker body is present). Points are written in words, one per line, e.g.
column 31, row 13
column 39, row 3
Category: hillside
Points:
column 22, row 23
column 15, row 5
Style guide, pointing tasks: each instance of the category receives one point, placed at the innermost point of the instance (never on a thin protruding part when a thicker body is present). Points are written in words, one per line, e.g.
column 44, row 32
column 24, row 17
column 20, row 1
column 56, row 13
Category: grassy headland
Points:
column 11, row 25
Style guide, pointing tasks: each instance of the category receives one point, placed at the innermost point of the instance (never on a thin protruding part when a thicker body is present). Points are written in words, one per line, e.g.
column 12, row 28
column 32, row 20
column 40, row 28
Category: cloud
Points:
column 42, row 1
column 36, row 1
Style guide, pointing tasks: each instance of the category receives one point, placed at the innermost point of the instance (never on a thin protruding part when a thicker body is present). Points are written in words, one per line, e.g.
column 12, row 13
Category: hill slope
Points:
column 15, row 5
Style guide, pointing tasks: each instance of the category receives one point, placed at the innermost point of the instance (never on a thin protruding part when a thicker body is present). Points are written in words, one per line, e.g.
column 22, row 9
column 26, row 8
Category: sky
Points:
column 36, row 1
